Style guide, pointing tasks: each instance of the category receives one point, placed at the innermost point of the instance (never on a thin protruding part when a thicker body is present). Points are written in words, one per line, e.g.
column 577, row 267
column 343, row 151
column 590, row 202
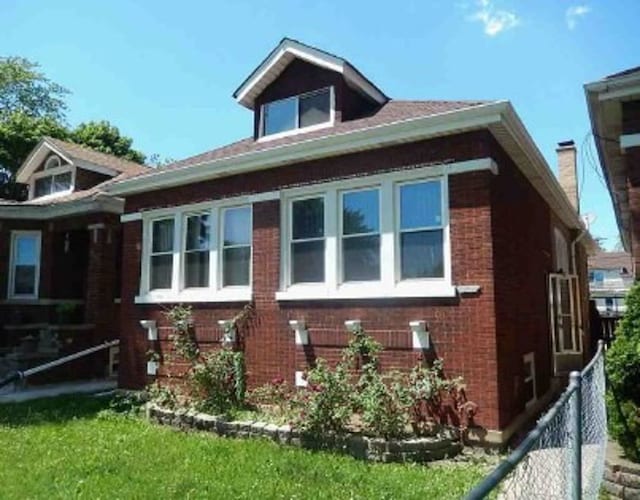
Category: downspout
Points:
column 575, row 241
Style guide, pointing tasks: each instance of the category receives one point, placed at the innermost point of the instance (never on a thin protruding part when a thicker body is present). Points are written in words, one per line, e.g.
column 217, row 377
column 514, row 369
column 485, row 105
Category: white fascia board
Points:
column 629, row 141
column 47, row 212
column 411, row 130
column 35, row 157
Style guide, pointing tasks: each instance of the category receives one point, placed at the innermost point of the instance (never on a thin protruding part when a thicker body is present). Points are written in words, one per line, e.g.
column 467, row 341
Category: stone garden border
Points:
column 358, row 446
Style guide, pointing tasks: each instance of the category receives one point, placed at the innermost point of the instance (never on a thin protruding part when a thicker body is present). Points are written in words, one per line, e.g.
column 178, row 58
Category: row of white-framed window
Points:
column 369, row 234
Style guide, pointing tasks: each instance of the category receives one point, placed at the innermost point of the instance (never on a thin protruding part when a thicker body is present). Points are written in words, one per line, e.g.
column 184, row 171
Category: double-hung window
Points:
column 197, row 253
column 307, row 240
column 297, row 112
column 385, row 235
column 24, row 273
column 236, row 246
column 161, row 256
column 420, row 231
column 361, row 235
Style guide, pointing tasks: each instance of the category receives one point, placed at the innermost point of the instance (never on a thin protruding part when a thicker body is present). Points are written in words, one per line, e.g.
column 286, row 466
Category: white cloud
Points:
column 574, row 13
column 495, row 21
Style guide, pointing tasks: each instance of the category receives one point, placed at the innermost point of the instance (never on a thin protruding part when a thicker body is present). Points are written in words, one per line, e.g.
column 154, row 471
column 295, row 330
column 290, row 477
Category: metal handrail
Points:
column 510, row 463
column 20, row 375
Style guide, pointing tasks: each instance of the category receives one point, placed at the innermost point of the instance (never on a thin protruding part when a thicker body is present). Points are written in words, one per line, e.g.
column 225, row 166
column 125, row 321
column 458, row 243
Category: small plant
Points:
column 218, row 381
column 362, row 349
column 384, row 403
column 326, row 405
column 183, row 338
column 162, row 395
column 66, row 313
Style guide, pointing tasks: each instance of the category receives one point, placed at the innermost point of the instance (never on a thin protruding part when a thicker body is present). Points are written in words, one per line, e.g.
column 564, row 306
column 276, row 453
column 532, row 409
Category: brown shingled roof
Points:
column 611, row 260
column 76, row 151
column 392, row 111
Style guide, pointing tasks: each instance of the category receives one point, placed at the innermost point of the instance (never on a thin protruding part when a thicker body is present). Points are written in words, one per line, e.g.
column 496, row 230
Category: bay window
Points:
column 24, row 271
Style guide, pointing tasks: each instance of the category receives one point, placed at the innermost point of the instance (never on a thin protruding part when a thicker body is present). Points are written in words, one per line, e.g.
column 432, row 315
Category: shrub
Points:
column 623, row 370
column 217, row 382
column 326, row 404
column 383, row 403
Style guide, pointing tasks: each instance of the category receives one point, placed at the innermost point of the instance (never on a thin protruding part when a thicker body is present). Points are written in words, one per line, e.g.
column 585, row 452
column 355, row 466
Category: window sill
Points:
column 369, row 291
column 205, row 295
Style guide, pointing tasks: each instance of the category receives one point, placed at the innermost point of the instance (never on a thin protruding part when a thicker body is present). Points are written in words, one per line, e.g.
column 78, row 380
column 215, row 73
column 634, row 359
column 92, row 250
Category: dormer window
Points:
column 55, row 177
column 305, row 111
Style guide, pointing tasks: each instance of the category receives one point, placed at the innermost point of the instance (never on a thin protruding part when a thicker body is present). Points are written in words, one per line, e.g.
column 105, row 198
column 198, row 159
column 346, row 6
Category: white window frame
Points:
column 47, row 163
column 12, row 264
column 214, row 292
column 52, row 172
column 342, row 236
column 297, row 130
column 390, row 284
column 220, row 271
column 530, row 359
column 574, row 313
column 153, row 254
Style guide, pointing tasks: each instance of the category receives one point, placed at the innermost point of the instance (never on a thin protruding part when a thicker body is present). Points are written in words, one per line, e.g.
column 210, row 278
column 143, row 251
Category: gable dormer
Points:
column 298, row 88
column 56, row 168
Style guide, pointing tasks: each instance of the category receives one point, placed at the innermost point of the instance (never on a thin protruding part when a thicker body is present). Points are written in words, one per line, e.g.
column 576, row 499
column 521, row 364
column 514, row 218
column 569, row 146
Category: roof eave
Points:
column 98, row 203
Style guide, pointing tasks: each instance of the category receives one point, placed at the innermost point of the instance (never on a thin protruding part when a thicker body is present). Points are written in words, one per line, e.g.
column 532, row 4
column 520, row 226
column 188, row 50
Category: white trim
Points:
column 389, row 285
column 12, row 264
column 629, row 141
column 49, row 160
column 131, row 217
column 419, row 334
column 286, row 51
column 38, row 154
column 262, row 137
column 215, row 291
column 531, row 359
column 99, row 169
column 26, row 210
column 301, row 333
column 619, row 93
column 53, row 173
column 409, row 130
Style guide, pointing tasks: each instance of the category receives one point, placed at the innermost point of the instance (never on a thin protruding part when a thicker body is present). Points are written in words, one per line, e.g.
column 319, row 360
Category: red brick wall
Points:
column 462, row 329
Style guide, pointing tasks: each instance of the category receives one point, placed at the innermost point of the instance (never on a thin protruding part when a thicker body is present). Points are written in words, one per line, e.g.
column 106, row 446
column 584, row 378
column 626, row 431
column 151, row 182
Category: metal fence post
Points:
column 576, row 473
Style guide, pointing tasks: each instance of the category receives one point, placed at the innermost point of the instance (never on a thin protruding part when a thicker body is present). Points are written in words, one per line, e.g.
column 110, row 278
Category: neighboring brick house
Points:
column 436, row 224
column 59, row 258
column 614, row 110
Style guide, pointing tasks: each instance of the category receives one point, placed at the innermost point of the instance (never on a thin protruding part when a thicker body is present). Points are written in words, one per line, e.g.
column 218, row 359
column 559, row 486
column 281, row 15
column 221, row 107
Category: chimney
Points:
column 568, row 171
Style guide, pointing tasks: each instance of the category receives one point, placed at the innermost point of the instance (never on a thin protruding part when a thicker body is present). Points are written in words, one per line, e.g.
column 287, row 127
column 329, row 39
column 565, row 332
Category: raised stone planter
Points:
column 358, row 446
column 621, row 477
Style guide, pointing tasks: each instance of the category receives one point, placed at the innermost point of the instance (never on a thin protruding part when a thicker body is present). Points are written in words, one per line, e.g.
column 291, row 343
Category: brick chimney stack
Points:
column 568, row 171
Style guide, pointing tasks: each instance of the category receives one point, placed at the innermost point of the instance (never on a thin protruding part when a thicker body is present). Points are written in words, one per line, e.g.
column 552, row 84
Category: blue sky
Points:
column 164, row 71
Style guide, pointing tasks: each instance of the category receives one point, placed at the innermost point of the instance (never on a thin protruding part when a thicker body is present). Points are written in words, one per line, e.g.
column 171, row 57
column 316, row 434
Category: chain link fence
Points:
column 563, row 456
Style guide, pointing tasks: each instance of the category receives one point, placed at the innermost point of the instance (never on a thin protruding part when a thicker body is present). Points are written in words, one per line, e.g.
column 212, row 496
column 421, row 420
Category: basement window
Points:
column 529, row 385
column 302, row 112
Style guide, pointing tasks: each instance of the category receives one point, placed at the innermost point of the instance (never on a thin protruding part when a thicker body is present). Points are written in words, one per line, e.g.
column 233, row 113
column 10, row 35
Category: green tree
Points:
column 102, row 136
column 24, row 89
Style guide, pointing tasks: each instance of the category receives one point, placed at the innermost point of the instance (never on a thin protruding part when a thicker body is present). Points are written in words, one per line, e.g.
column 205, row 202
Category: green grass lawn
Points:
column 77, row 447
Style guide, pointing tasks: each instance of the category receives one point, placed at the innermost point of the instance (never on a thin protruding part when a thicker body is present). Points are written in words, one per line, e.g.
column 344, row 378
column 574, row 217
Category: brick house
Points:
column 59, row 255
column 614, row 110
column 437, row 225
